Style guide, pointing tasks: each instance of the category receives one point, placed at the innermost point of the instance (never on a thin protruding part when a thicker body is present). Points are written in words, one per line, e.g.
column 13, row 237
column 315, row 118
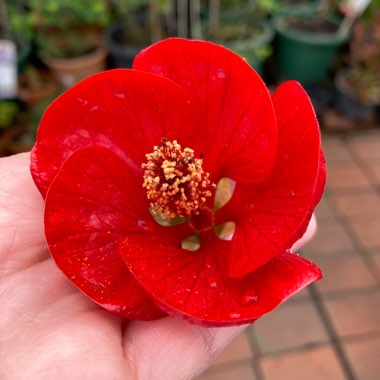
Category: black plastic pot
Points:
column 120, row 54
column 348, row 103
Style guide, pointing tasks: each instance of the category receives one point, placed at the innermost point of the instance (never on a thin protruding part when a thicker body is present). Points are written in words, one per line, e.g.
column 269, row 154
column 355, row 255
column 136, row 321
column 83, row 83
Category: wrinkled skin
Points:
column 50, row 330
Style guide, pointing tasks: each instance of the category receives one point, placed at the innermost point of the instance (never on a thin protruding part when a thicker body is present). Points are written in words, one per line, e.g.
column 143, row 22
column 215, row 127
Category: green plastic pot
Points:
column 304, row 56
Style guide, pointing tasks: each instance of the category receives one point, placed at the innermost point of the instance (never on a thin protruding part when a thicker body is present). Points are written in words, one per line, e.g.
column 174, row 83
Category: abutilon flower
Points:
column 179, row 187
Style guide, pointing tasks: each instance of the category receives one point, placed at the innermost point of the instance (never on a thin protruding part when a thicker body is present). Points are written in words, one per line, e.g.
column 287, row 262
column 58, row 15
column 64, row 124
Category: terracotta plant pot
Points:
column 33, row 90
column 69, row 71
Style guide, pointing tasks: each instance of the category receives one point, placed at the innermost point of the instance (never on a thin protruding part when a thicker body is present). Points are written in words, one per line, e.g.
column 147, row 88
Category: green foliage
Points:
column 21, row 20
column 237, row 31
column 71, row 44
column 255, row 7
column 126, row 9
column 124, row 6
column 65, row 13
column 68, row 28
column 143, row 21
column 268, row 6
column 8, row 111
column 62, row 28
column 371, row 11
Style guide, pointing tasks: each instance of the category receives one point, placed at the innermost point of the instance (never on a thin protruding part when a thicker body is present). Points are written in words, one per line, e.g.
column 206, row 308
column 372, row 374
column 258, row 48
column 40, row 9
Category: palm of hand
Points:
column 48, row 329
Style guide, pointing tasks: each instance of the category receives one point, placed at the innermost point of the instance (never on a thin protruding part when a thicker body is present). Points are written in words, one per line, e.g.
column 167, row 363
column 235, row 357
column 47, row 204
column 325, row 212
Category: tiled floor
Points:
column 331, row 331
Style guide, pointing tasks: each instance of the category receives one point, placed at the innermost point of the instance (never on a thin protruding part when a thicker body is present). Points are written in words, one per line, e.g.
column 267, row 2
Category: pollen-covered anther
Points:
column 175, row 182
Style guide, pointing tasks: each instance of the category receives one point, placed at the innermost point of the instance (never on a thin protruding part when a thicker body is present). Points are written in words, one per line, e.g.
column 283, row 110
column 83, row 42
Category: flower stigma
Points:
column 175, row 182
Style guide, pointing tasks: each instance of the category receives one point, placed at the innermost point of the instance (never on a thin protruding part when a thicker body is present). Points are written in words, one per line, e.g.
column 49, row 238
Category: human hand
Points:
column 50, row 330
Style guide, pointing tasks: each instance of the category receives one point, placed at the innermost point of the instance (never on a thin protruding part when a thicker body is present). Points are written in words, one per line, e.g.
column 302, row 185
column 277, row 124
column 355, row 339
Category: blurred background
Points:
column 332, row 329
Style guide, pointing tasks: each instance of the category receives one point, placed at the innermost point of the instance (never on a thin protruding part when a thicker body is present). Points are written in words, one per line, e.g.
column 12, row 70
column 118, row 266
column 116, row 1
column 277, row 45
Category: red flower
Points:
column 95, row 162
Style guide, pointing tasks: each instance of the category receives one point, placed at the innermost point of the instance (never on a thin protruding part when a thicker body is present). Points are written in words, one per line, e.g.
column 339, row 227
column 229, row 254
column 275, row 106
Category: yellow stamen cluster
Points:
column 174, row 180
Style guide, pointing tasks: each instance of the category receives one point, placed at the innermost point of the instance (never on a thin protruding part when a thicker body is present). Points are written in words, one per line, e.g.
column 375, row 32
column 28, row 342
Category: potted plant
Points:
column 297, row 7
column 35, row 85
column 9, row 128
column 16, row 25
column 10, row 49
column 308, row 43
column 243, row 28
column 69, row 37
column 358, row 86
column 136, row 24
column 8, row 113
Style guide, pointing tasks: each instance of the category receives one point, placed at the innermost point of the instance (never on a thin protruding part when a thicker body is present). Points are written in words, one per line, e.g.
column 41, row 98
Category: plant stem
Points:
column 171, row 22
column 155, row 29
column 4, row 23
column 214, row 9
column 195, row 22
column 323, row 9
column 182, row 7
column 346, row 24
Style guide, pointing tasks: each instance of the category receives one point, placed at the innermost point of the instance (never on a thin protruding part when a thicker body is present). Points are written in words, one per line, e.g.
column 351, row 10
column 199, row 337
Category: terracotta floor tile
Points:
column 239, row 349
column 357, row 205
column 367, row 232
column 355, row 314
column 324, row 211
column 344, row 272
column 330, row 238
column 373, row 169
column 319, row 363
column 290, row 326
column 375, row 258
column 242, row 372
column 335, row 150
column 364, row 357
column 302, row 296
column 367, row 147
column 346, row 177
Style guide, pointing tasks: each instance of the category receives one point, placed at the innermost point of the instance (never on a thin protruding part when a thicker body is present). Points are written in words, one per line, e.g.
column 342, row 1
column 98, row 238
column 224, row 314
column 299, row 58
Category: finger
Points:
column 173, row 349
column 308, row 235
column 22, row 240
column 32, row 291
column 57, row 332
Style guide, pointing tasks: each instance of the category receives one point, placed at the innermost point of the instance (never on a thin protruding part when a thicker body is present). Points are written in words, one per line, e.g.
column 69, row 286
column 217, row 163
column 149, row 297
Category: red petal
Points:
column 94, row 201
column 237, row 130
column 318, row 192
column 193, row 285
column 278, row 212
column 124, row 110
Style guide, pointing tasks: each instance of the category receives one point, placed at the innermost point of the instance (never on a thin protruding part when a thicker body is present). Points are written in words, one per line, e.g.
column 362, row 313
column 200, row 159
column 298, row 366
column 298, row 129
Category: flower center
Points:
column 175, row 181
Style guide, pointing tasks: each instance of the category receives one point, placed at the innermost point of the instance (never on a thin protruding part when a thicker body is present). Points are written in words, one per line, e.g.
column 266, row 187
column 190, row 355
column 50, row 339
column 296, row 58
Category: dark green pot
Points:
column 305, row 56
